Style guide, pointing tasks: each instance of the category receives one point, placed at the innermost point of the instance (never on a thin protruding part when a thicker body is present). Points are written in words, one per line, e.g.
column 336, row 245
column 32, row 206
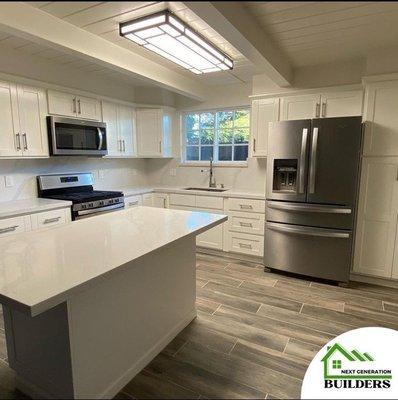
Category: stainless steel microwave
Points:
column 76, row 137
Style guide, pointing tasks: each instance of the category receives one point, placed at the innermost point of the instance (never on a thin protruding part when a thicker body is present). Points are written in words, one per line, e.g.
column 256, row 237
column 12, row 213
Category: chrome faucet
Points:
column 212, row 182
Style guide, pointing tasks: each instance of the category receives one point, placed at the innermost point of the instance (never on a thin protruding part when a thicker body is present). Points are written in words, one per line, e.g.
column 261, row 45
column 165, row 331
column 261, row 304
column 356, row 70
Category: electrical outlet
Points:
column 8, row 181
column 173, row 172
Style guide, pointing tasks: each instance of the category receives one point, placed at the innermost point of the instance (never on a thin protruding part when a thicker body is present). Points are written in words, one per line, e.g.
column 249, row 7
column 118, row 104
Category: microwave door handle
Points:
column 314, row 147
column 100, row 136
column 302, row 160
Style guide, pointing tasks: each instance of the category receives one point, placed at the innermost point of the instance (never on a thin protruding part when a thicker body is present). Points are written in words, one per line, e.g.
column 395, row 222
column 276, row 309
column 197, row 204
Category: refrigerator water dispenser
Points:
column 285, row 175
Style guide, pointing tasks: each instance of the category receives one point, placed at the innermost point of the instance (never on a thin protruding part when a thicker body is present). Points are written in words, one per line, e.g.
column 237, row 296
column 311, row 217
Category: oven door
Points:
column 73, row 137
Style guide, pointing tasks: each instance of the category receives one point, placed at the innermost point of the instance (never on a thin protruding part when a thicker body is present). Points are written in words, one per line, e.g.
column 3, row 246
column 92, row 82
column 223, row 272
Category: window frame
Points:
column 215, row 145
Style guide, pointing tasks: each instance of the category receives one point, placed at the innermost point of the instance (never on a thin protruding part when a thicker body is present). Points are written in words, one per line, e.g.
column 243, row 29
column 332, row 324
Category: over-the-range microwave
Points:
column 76, row 137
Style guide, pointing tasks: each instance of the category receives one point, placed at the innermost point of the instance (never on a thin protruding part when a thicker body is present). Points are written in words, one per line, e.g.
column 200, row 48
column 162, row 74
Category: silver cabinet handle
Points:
column 304, row 140
column 254, row 145
column 124, row 145
column 25, row 141
column 313, row 160
column 317, row 110
column 164, row 202
column 74, row 105
column 51, row 220
column 160, row 146
column 8, row 229
column 246, row 206
column 245, row 246
column 308, row 208
column 18, row 141
column 323, row 109
column 79, row 106
column 308, row 231
column 246, row 224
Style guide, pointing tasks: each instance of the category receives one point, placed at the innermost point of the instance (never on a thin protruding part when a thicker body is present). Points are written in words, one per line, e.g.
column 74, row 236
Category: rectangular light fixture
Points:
column 167, row 35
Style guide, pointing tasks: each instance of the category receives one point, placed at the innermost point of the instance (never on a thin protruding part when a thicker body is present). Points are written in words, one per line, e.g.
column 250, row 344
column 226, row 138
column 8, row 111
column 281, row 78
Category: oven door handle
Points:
column 100, row 137
column 307, row 231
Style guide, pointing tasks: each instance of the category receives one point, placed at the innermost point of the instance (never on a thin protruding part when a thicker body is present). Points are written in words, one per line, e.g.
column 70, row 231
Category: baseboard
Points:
column 30, row 389
column 139, row 365
column 373, row 280
column 232, row 256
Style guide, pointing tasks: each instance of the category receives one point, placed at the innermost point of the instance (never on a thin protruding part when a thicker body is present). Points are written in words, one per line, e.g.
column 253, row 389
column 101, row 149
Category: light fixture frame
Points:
column 224, row 60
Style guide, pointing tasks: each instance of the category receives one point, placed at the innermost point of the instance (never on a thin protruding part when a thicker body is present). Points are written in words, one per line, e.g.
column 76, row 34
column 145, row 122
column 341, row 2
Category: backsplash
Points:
column 108, row 173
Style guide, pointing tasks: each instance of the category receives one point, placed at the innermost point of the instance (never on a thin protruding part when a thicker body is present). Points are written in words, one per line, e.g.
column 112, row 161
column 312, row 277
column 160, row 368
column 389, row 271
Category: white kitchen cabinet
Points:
column 147, row 199
column 341, row 104
column 377, row 218
column 213, row 238
column 243, row 243
column 72, row 105
column 23, row 131
column 154, row 130
column 262, row 113
column 300, row 107
column 48, row 219
column 133, row 201
column 119, row 121
column 381, row 116
column 161, row 200
column 13, row 225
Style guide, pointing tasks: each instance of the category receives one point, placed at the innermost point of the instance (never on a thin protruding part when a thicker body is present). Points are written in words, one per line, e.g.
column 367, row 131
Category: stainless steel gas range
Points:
column 78, row 188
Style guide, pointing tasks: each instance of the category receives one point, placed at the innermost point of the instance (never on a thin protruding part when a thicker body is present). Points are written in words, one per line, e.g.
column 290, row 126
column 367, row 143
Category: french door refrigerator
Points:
column 312, row 184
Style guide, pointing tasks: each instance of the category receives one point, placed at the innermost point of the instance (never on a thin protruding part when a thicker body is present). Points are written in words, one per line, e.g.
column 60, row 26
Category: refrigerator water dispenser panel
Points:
column 285, row 176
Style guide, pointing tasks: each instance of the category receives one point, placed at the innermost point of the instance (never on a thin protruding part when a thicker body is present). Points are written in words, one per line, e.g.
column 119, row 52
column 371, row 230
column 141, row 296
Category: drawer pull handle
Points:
column 9, row 229
column 133, row 203
column 51, row 220
column 246, row 224
column 245, row 246
column 246, row 206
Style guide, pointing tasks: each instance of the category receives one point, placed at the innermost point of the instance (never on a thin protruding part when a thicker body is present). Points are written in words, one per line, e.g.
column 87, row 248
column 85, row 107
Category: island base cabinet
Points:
column 92, row 345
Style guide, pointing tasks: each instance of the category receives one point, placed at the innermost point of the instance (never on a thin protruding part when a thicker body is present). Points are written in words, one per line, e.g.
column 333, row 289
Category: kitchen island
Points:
column 88, row 304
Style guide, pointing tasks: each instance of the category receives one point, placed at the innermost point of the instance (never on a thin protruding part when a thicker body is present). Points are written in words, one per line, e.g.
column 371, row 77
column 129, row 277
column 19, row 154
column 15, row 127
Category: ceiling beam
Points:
column 22, row 20
column 234, row 22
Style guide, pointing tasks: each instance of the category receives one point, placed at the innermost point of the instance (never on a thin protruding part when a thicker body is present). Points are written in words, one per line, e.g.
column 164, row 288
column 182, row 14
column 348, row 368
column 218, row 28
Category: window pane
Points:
column 225, row 136
column 193, row 137
column 191, row 122
column 206, row 152
column 207, row 136
column 242, row 118
column 225, row 119
column 225, row 153
column 242, row 135
column 240, row 153
column 192, row 153
column 207, row 121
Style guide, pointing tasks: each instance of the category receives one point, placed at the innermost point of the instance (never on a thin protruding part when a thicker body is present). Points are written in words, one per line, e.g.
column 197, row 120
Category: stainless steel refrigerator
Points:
column 312, row 185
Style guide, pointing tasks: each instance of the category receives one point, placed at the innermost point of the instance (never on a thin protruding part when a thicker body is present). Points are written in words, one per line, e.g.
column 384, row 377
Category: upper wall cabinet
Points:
column 381, row 116
column 154, row 131
column 263, row 112
column 120, row 129
column 23, row 131
column 322, row 105
column 71, row 105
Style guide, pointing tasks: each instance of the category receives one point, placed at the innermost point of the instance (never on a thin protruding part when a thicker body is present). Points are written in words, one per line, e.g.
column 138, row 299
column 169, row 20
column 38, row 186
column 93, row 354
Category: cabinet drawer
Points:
column 246, row 222
column 50, row 218
column 10, row 226
column 247, row 205
column 182, row 200
column 246, row 244
column 133, row 201
column 215, row 203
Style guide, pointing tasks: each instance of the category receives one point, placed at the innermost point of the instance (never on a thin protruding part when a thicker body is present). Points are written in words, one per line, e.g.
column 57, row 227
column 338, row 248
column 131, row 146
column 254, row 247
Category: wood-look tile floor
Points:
column 254, row 336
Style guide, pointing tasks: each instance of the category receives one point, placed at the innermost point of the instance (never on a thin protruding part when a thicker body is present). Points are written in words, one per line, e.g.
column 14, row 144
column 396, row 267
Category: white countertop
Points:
column 29, row 206
column 41, row 269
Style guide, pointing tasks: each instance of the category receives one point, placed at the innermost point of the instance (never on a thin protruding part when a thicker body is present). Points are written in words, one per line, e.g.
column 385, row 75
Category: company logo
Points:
column 350, row 369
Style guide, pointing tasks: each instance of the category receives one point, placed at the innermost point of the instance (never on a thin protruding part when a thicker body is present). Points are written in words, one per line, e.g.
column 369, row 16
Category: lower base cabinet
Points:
column 243, row 243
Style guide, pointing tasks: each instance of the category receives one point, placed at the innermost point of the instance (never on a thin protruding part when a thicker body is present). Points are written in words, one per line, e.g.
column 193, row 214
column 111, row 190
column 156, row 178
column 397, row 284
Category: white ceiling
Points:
column 311, row 33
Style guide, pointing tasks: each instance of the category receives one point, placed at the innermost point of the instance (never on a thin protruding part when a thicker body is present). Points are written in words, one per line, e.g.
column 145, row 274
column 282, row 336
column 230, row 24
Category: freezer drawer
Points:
column 318, row 215
column 316, row 252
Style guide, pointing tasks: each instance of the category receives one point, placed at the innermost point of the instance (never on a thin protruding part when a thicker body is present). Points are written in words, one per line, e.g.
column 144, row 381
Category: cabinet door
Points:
column 167, row 131
column 32, row 110
column 300, row 107
column 160, row 200
column 88, row 108
column 147, row 199
column 125, row 117
column 213, row 238
column 263, row 112
column 109, row 116
column 149, row 132
column 381, row 132
column 377, row 217
column 133, row 201
column 9, row 122
column 341, row 104
column 60, row 103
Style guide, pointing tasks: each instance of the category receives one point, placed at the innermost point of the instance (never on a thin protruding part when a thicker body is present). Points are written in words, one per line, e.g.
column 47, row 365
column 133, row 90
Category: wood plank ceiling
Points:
column 311, row 33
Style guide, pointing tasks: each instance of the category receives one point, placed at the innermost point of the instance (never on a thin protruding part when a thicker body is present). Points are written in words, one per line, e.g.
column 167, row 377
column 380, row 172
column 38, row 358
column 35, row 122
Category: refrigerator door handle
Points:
column 313, row 160
column 302, row 159
column 308, row 208
column 307, row 231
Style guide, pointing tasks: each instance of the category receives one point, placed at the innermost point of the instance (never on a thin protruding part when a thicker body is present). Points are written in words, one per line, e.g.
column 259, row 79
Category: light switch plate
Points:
column 8, row 181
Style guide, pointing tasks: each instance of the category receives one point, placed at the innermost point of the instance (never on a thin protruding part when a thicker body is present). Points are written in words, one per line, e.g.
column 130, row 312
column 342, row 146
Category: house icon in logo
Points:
column 337, row 359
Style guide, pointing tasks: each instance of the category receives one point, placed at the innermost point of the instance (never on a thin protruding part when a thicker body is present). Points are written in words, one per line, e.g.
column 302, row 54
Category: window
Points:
column 336, row 364
column 223, row 135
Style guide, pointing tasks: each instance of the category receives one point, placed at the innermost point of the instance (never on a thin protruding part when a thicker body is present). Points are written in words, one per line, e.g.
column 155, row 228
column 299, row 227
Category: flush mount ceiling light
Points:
column 168, row 36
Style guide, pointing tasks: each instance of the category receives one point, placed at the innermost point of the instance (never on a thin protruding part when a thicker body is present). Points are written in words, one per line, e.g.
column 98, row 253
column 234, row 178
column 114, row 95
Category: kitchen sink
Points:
column 206, row 189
